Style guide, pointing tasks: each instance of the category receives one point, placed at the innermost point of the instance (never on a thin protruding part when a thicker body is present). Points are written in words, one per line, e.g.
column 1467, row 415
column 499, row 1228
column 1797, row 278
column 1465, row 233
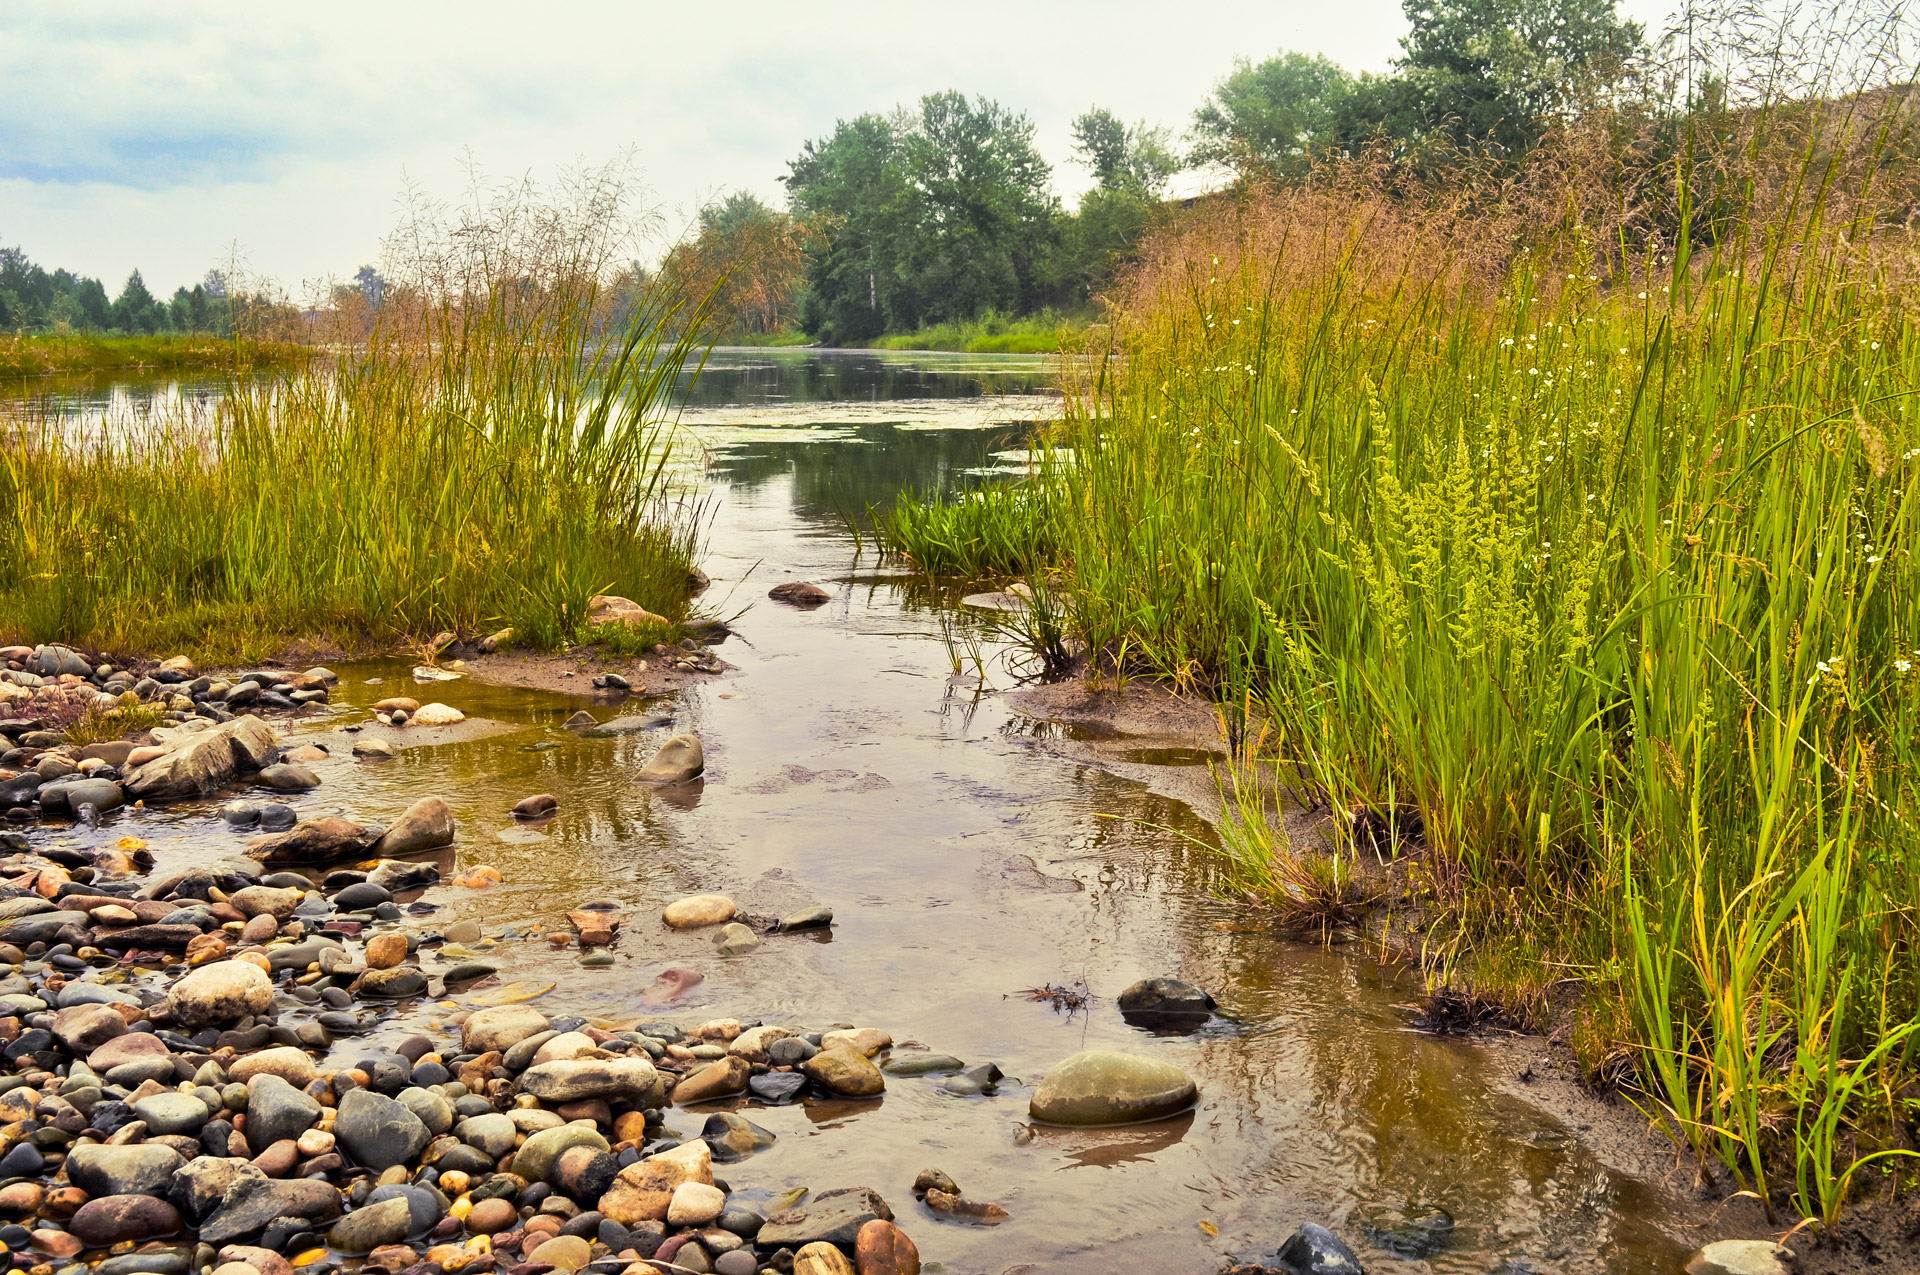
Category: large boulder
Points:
column 220, row 993
column 314, row 841
column 1314, row 1250
column 1099, row 1086
column 1741, row 1257
column 1165, row 1004
column 196, row 764
column 426, row 825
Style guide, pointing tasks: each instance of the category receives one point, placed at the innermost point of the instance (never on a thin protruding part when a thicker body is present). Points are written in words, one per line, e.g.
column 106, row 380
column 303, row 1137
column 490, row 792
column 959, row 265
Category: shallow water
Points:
column 967, row 857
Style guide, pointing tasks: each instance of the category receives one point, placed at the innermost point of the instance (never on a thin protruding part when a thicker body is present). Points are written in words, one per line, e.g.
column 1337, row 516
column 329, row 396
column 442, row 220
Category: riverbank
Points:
column 1500, row 565
column 27, row 357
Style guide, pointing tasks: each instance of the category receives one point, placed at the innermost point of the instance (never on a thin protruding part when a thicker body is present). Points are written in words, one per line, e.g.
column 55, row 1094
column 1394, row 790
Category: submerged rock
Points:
column 1098, row 1086
column 1741, row 1257
column 799, row 593
column 1314, row 1250
column 314, row 841
column 1165, row 1004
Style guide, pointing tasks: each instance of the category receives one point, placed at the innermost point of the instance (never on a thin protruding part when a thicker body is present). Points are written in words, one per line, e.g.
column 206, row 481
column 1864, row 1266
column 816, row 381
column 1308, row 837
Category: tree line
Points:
column 36, row 300
column 942, row 211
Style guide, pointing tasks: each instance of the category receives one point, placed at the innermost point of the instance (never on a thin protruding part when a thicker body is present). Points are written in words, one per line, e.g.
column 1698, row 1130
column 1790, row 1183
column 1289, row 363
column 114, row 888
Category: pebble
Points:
column 698, row 910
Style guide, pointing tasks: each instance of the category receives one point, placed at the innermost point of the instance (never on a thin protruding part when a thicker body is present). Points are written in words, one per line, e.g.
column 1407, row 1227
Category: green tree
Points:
column 1274, row 117
column 134, row 310
column 933, row 214
column 1500, row 70
column 1123, row 156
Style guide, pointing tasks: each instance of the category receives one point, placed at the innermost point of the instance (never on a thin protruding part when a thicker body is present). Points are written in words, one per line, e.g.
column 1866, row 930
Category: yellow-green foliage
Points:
column 24, row 356
column 489, row 459
column 1603, row 564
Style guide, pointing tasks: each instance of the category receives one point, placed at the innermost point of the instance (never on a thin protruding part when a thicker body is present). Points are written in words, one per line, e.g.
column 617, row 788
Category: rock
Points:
column 395, row 875
column 562, row 1252
column 84, row 1028
column 921, row 1064
column 643, row 1192
column 258, row 900
column 777, row 1087
column 753, row 1043
column 290, row 1064
column 438, row 715
column 426, row 825
column 679, row 759
column 384, row 951
column 821, row 1259
column 934, row 1180
column 379, row 1131
column 811, row 919
column 846, row 1072
column 501, row 1027
column 1165, row 1004
column 538, row 806
column 425, row 1207
column 732, row 1137
column 197, row 764
column 119, row 1219
column 361, row 896
column 219, row 993
column 492, row 1133
column 1417, row 1231
column 536, row 1157
column 735, row 939
column 172, row 1113
column 832, row 1217
column 131, row 1047
column 882, row 1248
column 287, row 776
column 697, row 910
column 276, row 1111
column 695, row 1204
column 490, row 1217
column 865, row 1041
column 1741, row 1257
column 569, row 1080
column 200, row 1184
column 255, row 1200
column 134, row 1169
column 1097, row 1086
column 372, row 1225
column 583, row 1173
column 314, row 841
column 799, row 593
column 717, row 1079
column 610, row 609
column 1314, row 1250
column 392, row 984
column 965, row 1210
column 374, row 749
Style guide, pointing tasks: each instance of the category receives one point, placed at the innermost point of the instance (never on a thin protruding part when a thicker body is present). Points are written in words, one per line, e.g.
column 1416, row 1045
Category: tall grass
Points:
column 72, row 354
column 1044, row 333
column 494, row 455
column 1584, row 527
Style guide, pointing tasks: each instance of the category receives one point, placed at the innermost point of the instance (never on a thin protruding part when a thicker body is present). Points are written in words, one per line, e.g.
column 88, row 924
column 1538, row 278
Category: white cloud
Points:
column 153, row 135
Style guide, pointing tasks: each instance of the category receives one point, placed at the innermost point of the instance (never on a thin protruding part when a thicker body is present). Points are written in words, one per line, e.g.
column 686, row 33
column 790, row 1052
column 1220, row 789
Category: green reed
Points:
column 489, row 459
column 1608, row 571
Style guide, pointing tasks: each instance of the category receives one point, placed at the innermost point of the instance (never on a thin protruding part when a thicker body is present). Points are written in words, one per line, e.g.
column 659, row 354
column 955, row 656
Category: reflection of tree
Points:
column 838, row 476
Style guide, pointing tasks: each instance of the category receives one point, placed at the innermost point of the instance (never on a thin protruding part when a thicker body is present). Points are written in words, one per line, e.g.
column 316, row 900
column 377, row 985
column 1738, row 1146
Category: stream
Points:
column 968, row 854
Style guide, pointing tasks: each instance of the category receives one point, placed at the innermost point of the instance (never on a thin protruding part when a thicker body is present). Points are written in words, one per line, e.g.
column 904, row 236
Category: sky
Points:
column 162, row 136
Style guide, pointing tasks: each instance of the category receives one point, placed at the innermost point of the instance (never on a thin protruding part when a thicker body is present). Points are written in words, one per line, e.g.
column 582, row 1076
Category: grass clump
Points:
column 493, row 456
column 1045, row 333
column 1569, row 512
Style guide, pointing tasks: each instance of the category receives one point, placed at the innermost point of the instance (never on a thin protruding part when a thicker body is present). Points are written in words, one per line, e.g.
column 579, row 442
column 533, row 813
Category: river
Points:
column 969, row 852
